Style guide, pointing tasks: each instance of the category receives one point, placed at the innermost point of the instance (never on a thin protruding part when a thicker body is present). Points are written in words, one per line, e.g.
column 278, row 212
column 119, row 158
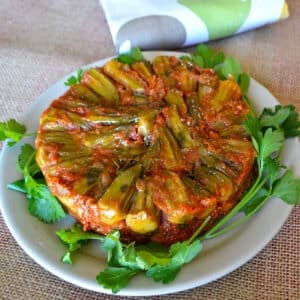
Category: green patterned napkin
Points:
column 166, row 24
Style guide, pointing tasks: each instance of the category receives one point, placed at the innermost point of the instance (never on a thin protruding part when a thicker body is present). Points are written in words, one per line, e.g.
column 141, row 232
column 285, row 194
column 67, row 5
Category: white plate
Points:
column 219, row 256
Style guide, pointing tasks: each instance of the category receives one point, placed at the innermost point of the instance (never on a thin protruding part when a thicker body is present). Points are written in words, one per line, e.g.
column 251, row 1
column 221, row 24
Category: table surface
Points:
column 42, row 41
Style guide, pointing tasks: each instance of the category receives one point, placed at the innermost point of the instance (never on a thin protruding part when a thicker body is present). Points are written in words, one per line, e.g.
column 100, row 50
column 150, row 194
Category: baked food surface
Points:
column 150, row 149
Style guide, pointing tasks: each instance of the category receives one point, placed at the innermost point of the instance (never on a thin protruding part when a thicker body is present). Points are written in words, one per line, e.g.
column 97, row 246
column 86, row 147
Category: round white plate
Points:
column 218, row 257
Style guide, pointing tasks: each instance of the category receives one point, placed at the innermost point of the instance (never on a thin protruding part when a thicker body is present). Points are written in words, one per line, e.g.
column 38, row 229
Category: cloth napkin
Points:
column 169, row 24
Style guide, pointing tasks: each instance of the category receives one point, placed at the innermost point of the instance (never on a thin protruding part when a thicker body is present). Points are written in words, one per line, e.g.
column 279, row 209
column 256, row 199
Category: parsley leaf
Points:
column 252, row 125
column 274, row 119
column 291, row 126
column 75, row 238
column 287, row 188
column 244, row 82
column 76, row 234
column 25, row 161
column 273, row 168
column 231, row 67
column 165, row 274
column 205, row 57
column 149, row 257
column 258, row 198
column 180, row 254
column 74, row 79
column 184, row 252
column 135, row 55
column 12, row 130
column 115, row 278
column 41, row 203
column 271, row 143
column 226, row 68
column 283, row 117
column 20, row 185
column 118, row 253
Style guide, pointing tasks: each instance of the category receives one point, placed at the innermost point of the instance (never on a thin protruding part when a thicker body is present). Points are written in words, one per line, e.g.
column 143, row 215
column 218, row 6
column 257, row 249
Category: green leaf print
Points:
column 222, row 18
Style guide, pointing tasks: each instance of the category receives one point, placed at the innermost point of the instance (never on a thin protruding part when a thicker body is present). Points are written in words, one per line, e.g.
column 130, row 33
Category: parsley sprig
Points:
column 13, row 132
column 74, row 79
column 41, row 203
column 205, row 57
column 134, row 55
column 159, row 263
column 226, row 67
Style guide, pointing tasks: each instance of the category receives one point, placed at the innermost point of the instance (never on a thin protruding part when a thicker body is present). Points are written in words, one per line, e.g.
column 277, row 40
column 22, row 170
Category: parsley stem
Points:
column 30, row 134
column 253, row 190
column 240, row 221
column 249, row 103
column 197, row 232
column 25, row 169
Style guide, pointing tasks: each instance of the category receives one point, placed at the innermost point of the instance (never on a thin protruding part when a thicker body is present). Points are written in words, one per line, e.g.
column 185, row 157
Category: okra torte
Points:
column 150, row 149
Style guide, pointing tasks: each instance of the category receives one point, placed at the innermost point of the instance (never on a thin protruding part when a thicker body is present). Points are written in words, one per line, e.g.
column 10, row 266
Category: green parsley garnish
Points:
column 75, row 238
column 206, row 57
column 131, row 57
column 12, row 131
column 41, row 203
column 125, row 261
column 74, row 79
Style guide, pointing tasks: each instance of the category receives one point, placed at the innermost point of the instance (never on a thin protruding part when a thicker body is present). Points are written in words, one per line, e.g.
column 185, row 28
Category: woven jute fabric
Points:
column 42, row 41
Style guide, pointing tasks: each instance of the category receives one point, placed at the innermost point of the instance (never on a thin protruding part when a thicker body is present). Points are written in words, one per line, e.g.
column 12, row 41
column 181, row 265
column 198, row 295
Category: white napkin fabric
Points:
column 169, row 24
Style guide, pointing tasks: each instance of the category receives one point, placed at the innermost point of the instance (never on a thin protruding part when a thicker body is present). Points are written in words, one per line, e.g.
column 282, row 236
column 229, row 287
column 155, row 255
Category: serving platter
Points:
column 219, row 256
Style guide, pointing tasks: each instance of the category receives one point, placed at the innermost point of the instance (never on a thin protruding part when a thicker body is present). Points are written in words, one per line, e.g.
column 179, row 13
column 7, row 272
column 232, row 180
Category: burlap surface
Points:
column 41, row 41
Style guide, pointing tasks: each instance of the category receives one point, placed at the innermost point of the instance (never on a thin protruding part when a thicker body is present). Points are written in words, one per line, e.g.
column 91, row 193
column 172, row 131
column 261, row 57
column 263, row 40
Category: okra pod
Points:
column 170, row 151
column 112, row 120
column 59, row 137
column 82, row 186
column 219, row 162
column 186, row 81
column 234, row 130
column 67, row 155
column 146, row 122
column 143, row 216
column 174, row 97
column 193, row 104
column 143, row 68
column 195, row 186
column 150, row 154
column 73, row 165
column 116, row 201
column 83, row 92
column 161, row 65
column 58, row 119
column 226, row 91
column 107, row 140
column 215, row 182
column 101, row 85
column 113, row 68
column 176, row 200
column 179, row 130
column 237, row 146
